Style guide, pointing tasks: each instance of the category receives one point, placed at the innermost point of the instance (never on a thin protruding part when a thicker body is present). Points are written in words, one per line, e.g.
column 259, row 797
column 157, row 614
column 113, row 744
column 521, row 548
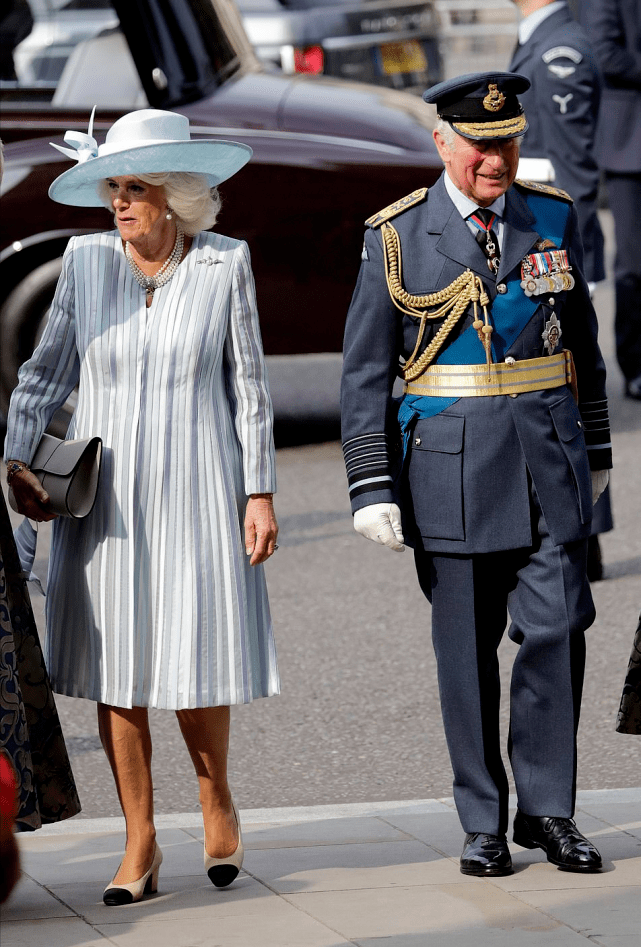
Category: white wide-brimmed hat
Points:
column 142, row 142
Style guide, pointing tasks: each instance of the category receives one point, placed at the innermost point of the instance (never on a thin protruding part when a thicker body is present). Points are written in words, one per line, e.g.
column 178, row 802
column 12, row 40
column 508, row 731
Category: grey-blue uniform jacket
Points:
column 464, row 486
column 614, row 28
column 562, row 108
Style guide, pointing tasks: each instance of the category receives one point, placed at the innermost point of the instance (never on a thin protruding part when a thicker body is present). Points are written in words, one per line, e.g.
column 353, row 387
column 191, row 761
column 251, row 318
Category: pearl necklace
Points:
column 166, row 271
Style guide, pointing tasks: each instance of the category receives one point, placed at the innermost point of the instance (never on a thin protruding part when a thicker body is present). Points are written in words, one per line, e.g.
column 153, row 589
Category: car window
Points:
column 74, row 52
column 39, row 57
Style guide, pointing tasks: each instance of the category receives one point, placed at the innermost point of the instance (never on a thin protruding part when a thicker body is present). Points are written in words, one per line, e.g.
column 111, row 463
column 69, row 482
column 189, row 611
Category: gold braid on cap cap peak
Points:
column 491, row 129
column 452, row 301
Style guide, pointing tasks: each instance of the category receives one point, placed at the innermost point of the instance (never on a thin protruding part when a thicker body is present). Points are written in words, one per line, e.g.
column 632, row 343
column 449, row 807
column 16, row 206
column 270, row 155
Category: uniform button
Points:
column 510, row 361
column 417, row 441
column 514, row 394
column 551, row 300
column 501, row 288
column 578, row 424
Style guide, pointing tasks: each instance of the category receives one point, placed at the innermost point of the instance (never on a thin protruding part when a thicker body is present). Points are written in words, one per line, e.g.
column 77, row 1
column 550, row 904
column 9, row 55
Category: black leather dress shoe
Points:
column 485, row 855
column 560, row 839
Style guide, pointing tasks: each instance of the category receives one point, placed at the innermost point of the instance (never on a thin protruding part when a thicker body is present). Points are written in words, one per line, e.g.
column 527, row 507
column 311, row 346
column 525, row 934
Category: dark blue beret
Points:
column 481, row 104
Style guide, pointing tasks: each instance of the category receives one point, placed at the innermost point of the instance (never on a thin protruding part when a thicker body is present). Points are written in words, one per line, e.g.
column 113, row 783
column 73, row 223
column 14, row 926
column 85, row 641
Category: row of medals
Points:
column 546, row 273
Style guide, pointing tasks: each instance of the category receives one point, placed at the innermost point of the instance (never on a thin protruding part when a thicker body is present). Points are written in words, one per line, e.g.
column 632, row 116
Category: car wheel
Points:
column 22, row 320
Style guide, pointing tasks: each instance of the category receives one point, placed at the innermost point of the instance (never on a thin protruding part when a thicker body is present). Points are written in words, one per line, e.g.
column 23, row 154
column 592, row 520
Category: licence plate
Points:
column 402, row 57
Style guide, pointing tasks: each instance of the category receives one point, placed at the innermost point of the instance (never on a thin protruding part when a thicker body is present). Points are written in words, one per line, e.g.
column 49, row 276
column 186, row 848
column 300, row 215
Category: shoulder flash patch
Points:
column 545, row 189
column 396, row 208
column 562, row 52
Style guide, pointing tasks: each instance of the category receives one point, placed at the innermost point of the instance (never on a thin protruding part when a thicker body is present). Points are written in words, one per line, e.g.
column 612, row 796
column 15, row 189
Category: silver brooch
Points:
column 551, row 335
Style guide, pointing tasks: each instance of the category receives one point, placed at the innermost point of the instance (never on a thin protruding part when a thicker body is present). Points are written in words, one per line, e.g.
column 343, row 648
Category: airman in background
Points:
column 562, row 105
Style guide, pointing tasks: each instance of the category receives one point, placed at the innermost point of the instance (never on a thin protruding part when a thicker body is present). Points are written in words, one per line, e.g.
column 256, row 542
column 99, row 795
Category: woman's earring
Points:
column 169, row 214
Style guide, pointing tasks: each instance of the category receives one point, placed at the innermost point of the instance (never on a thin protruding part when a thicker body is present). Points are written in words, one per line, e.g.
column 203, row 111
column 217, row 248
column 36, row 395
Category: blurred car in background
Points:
column 403, row 44
column 386, row 42
column 327, row 154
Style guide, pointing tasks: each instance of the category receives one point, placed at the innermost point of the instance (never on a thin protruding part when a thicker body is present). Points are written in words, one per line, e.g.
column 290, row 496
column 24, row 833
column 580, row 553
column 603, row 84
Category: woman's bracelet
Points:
column 14, row 467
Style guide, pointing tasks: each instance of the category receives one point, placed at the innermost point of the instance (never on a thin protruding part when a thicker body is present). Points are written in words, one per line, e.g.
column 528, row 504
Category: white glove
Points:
column 600, row 480
column 381, row 522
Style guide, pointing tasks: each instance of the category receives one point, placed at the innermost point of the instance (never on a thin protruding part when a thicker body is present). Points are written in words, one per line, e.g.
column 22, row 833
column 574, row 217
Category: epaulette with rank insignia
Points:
column 396, row 208
column 545, row 189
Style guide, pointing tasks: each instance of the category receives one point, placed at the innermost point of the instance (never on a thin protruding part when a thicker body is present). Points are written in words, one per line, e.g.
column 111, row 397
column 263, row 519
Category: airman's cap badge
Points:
column 494, row 100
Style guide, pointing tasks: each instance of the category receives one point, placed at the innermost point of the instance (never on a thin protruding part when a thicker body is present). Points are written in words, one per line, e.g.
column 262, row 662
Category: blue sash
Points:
column 511, row 313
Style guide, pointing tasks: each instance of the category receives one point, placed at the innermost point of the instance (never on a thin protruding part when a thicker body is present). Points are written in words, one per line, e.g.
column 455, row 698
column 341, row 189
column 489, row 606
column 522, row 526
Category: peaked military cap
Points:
column 481, row 104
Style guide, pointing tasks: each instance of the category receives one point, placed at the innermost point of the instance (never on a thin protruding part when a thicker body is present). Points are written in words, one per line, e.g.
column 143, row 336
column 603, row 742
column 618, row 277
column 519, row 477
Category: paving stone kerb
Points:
column 332, row 876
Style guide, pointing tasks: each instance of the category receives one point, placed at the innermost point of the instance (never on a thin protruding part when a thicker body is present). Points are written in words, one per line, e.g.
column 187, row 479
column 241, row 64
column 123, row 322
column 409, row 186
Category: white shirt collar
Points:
column 465, row 206
column 531, row 22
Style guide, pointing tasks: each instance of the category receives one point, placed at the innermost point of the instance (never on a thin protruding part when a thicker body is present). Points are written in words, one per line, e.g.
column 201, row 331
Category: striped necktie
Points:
column 483, row 219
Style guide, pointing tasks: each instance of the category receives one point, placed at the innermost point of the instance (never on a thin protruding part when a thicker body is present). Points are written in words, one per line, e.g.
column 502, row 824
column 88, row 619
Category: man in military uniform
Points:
column 614, row 28
column 485, row 464
column 562, row 105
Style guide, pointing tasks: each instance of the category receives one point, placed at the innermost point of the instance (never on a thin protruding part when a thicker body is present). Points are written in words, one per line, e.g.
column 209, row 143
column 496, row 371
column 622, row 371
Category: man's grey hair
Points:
column 194, row 203
column 446, row 131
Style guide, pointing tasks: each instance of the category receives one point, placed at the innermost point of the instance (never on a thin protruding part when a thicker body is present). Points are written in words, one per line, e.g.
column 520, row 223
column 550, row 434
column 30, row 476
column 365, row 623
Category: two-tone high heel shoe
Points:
column 128, row 894
column 222, row 871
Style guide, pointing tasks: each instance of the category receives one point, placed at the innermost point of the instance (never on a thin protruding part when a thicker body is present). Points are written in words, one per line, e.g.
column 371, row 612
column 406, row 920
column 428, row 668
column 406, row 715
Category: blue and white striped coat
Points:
column 151, row 599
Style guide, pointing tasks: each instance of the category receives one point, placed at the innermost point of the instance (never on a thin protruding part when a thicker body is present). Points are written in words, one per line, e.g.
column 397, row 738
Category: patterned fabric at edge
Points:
column 30, row 730
column 629, row 719
column 151, row 599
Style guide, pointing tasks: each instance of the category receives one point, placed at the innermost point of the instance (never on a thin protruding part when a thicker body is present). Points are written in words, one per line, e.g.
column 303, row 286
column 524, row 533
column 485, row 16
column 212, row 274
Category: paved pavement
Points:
column 379, row 875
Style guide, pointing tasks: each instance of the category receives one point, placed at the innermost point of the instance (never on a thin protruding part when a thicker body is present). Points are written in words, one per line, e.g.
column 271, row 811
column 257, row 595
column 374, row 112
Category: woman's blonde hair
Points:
column 194, row 203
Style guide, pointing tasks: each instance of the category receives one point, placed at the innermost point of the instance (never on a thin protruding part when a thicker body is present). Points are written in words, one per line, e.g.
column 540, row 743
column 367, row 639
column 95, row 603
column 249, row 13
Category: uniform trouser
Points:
column 624, row 197
column 550, row 604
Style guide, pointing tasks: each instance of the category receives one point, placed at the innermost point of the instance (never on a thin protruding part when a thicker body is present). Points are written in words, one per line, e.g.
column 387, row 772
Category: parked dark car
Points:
column 327, row 154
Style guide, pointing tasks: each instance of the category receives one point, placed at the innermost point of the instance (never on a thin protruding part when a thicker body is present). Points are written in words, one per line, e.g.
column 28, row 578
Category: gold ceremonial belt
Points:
column 503, row 378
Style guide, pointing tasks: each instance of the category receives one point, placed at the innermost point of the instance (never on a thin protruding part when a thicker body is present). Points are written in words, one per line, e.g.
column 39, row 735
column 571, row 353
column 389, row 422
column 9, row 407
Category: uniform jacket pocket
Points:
column 569, row 429
column 435, row 476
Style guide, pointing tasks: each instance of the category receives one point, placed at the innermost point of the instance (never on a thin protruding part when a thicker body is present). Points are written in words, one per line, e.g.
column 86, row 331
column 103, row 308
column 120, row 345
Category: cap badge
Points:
column 494, row 100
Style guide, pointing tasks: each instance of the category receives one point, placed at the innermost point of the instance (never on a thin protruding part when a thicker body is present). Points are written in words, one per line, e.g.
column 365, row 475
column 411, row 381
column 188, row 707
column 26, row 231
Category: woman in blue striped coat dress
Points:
column 157, row 598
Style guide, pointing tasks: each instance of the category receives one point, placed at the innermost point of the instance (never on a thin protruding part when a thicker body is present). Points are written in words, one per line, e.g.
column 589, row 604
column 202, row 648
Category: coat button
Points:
column 417, row 441
column 501, row 288
column 510, row 361
column 578, row 424
column 514, row 394
column 551, row 300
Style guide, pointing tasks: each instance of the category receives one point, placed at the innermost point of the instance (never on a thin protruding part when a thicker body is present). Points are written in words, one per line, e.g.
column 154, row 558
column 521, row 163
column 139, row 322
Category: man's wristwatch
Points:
column 14, row 467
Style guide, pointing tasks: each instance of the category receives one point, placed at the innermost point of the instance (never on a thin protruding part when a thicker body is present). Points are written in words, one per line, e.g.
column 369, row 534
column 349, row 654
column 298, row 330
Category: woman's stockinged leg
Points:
column 126, row 740
column 206, row 734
